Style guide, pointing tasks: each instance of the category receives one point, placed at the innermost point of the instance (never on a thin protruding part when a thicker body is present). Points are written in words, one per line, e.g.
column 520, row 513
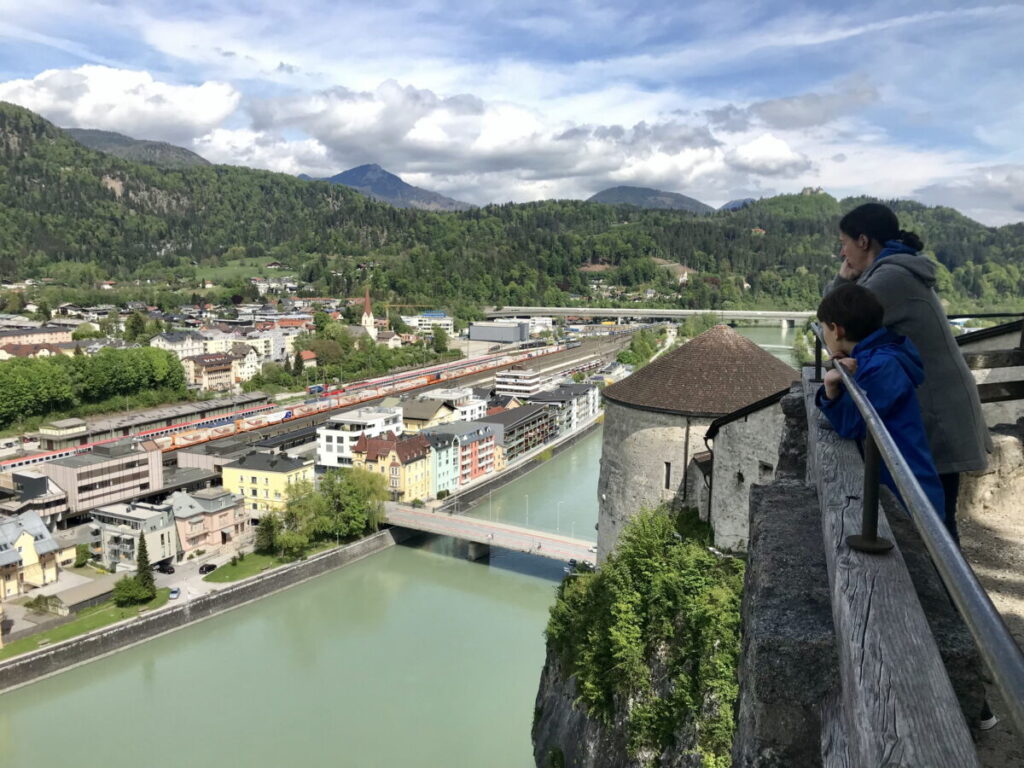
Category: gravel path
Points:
column 993, row 542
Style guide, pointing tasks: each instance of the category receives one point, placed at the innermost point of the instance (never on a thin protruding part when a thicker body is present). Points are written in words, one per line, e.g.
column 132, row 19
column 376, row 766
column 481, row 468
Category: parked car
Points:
column 165, row 568
column 207, row 568
column 175, row 594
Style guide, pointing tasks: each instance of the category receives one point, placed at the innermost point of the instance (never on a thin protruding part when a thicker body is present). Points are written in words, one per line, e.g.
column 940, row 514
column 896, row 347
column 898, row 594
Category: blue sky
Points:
column 496, row 101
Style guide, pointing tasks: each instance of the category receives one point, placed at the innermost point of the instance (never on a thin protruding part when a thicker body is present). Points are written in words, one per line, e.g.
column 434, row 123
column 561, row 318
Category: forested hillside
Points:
column 76, row 215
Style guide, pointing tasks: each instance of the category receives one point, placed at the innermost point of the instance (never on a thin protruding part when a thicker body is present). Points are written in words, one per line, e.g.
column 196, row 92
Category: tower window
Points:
column 668, row 475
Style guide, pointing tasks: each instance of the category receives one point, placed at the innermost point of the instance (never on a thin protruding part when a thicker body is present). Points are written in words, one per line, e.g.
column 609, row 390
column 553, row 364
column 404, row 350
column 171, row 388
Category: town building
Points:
column 573, row 405
column 444, row 462
column 467, row 405
column 337, row 436
column 308, row 358
column 264, row 480
column 656, row 421
column 518, row 382
column 44, row 334
column 212, row 373
column 475, row 442
column 520, row 430
column 212, row 520
column 26, row 490
column 181, row 343
column 122, row 525
column 110, row 473
column 425, row 322
column 404, row 461
column 28, row 554
column 500, row 331
column 421, row 414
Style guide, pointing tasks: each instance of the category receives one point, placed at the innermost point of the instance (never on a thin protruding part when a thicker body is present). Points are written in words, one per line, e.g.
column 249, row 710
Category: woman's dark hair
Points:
column 879, row 223
column 855, row 308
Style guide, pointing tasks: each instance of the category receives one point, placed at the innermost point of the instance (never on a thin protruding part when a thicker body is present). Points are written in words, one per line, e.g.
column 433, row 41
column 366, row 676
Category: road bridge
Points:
column 775, row 316
column 489, row 533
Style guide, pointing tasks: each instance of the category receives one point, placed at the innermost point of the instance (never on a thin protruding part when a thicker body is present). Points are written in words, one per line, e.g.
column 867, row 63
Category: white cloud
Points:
column 127, row 101
column 768, row 155
column 993, row 195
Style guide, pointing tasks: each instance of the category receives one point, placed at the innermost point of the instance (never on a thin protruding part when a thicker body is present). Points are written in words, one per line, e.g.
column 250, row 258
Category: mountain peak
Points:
column 374, row 181
column 645, row 197
column 158, row 153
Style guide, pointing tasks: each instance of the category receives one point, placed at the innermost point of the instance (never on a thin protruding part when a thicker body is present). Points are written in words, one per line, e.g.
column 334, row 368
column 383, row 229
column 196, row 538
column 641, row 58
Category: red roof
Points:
column 409, row 448
column 308, row 354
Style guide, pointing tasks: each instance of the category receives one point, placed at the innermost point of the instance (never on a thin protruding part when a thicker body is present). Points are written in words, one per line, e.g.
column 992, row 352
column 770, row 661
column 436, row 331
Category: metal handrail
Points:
column 991, row 636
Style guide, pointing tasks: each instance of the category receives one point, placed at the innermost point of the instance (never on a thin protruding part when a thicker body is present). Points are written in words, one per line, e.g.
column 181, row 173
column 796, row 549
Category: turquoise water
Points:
column 412, row 657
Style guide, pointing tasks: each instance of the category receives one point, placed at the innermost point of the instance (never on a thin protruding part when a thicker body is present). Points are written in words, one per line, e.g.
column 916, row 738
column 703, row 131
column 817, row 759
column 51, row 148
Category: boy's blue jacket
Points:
column 889, row 369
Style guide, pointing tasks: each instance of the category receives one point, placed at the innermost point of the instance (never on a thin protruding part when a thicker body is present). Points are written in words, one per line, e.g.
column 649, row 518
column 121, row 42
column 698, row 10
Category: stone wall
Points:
column 80, row 650
column 636, row 445
column 788, row 667
column 746, row 452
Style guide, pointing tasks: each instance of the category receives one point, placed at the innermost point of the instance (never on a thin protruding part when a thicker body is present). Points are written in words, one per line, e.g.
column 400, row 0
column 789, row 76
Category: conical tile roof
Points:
column 711, row 375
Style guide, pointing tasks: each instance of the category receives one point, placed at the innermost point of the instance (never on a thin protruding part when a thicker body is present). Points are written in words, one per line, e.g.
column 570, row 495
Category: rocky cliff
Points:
column 641, row 663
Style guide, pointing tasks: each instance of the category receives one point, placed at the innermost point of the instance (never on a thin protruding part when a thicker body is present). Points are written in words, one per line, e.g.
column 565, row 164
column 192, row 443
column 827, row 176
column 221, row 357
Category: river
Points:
column 412, row 657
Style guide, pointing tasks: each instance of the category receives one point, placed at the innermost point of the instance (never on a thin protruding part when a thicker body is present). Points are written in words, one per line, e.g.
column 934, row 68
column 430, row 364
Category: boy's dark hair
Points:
column 853, row 307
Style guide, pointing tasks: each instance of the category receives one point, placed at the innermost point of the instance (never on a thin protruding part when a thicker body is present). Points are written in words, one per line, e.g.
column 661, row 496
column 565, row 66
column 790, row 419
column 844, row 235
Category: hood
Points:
column 919, row 266
column 900, row 348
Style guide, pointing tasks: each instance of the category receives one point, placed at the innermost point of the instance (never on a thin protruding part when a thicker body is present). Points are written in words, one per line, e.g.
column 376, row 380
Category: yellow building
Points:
column 421, row 414
column 404, row 461
column 264, row 479
column 28, row 555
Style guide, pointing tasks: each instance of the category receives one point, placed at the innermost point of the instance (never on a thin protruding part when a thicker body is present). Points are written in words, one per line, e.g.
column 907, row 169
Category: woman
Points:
column 883, row 258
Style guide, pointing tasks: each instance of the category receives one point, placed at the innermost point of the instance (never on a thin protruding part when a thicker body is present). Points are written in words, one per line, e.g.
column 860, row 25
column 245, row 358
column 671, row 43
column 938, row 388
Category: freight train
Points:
column 191, row 433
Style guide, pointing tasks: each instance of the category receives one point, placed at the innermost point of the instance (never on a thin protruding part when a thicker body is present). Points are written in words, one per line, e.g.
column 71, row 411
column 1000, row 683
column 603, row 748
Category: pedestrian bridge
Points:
column 490, row 533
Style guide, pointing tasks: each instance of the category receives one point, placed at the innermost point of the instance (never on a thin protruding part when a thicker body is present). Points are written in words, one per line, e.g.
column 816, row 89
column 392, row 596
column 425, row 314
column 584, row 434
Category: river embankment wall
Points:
column 44, row 662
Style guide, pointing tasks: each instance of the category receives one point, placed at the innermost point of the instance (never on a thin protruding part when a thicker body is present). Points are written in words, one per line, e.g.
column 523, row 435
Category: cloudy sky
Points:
column 492, row 101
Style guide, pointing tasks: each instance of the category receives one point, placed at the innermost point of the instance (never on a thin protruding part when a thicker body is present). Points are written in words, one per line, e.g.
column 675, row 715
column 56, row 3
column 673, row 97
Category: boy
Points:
column 888, row 369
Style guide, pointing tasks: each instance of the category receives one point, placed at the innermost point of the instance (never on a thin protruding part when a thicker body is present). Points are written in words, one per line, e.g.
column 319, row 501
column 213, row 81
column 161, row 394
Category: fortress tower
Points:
column 656, row 420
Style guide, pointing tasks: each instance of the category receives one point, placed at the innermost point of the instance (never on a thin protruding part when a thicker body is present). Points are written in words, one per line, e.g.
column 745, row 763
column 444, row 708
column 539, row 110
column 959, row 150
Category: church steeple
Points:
column 367, row 320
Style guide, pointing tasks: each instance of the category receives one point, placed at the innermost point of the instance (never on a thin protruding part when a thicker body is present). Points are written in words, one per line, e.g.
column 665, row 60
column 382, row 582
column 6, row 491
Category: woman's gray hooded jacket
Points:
column 904, row 284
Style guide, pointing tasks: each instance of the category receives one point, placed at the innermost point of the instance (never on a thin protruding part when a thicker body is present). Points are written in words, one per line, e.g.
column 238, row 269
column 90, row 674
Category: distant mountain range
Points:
column 373, row 181
column 644, row 197
column 158, row 153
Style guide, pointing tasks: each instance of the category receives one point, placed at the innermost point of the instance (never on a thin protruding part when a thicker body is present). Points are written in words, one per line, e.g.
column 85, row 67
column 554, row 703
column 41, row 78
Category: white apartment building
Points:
column 517, row 382
column 425, row 322
column 337, row 436
column 181, row 343
column 468, row 406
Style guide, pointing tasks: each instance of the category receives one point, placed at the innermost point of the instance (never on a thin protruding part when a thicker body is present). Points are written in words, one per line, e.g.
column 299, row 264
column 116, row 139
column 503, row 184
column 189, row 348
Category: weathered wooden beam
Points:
column 996, row 358
column 896, row 705
column 1001, row 391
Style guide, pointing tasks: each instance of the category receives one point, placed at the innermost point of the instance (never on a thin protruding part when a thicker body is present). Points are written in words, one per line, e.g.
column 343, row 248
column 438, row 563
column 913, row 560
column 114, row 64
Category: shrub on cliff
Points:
column 653, row 638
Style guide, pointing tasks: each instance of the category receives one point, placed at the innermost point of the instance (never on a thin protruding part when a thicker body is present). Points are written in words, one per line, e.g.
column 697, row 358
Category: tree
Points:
column 143, row 571
column 440, row 340
column 266, row 533
column 299, row 365
column 82, row 555
column 128, row 591
column 354, row 501
column 134, row 327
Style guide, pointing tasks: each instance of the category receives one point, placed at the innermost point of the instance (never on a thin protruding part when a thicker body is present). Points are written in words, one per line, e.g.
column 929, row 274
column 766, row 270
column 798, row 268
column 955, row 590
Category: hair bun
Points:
column 910, row 239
